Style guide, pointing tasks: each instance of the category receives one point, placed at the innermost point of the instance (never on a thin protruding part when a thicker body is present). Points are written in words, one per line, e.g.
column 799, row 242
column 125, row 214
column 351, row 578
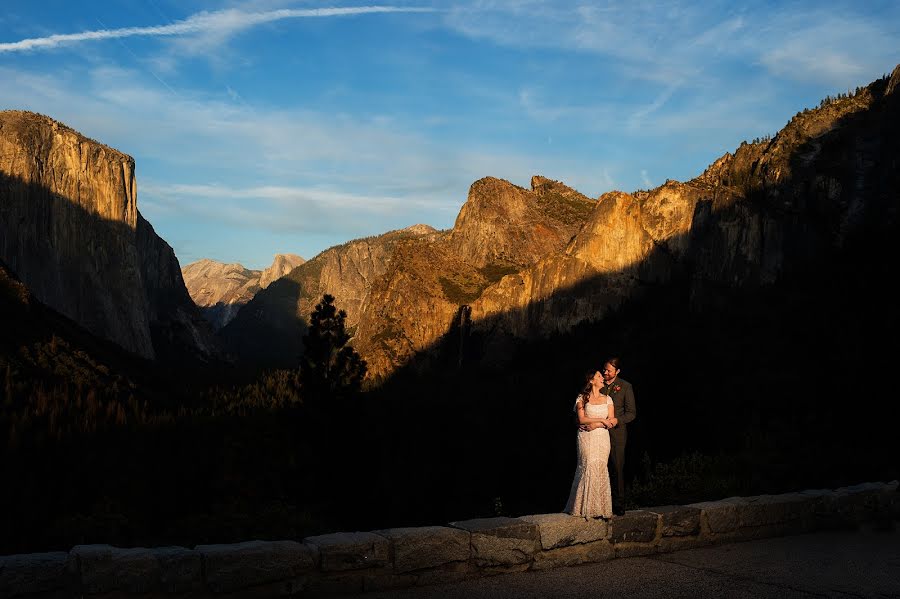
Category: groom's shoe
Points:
column 618, row 510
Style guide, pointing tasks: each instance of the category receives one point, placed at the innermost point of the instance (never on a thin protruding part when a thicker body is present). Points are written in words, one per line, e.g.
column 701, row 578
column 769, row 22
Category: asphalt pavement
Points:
column 826, row 564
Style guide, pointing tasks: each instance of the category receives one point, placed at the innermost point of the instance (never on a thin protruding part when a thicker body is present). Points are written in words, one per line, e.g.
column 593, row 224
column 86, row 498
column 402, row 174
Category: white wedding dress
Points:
column 591, row 494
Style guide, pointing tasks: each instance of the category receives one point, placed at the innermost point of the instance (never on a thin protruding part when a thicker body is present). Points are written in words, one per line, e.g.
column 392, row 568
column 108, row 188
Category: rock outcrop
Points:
column 534, row 262
column 70, row 230
column 751, row 218
column 220, row 289
column 503, row 224
column 281, row 265
column 269, row 329
column 501, row 229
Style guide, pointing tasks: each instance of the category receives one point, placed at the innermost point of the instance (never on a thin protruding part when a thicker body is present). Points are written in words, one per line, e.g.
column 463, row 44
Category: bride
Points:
column 591, row 495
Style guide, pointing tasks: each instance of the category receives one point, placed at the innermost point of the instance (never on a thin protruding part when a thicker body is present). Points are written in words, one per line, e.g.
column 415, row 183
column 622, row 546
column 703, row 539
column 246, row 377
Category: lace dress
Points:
column 591, row 495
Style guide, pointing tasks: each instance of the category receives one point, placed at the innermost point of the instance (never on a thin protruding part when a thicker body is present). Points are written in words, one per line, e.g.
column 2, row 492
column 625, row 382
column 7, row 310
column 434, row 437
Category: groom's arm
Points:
column 629, row 411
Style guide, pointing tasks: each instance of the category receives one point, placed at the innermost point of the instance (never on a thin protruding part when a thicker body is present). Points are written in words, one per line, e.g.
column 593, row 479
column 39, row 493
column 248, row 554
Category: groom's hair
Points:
column 615, row 361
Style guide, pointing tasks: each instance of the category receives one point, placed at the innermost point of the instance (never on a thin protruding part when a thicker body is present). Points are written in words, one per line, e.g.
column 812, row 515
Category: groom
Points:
column 623, row 399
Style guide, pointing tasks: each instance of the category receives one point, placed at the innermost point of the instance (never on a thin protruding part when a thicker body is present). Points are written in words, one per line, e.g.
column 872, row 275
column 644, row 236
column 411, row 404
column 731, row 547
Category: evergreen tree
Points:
column 329, row 367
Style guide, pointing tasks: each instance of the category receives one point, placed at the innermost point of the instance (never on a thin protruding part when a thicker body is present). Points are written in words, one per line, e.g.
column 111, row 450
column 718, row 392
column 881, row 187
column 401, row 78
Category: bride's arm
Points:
column 584, row 418
column 611, row 418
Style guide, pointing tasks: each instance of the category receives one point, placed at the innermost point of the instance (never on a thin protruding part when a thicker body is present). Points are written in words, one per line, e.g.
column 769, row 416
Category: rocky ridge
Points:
column 752, row 217
column 281, row 265
column 220, row 289
column 269, row 329
column 501, row 229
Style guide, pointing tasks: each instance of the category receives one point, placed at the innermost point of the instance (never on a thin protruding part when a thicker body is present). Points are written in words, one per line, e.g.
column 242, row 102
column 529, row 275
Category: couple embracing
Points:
column 604, row 407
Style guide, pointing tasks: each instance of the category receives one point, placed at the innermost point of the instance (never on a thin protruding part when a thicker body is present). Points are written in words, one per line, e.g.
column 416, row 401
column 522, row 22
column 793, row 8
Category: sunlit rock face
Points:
column 70, row 230
column 503, row 224
column 269, row 329
column 281, row 265
column 751, row 218
column 501, row 229
column 531, row 262
column 220, row 289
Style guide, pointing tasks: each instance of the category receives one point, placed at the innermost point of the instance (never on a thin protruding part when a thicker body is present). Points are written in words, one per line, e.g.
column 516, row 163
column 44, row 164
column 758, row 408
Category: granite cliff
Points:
column 269, row 329
column 220, row 289
column 281, row 265
column 755, row 217
column 501, row 229
column 527, row 263
column 71, row 231
column 751, row 219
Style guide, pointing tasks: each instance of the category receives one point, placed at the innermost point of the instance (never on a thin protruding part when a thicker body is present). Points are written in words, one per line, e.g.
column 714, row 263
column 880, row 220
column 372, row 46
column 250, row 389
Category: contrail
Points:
column 224, row 20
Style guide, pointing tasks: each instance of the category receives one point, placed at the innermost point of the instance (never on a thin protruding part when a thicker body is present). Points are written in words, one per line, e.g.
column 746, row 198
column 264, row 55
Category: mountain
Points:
column 403, row 289
column 755, row 217
column 71, row 231
column 528, row 263
column 761, row 215
column 220, row 289
column 281, row 265
column 501, row 229
column 269, row 329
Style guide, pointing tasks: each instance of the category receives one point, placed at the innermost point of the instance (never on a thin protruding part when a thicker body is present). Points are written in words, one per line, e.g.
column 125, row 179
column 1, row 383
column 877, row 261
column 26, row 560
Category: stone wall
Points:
column 355, row 562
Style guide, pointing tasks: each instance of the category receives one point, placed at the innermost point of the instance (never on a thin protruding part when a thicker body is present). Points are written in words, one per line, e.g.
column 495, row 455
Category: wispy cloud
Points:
column 676, row 41
column 638, row 117
column 283, row 208
column 825, row 47
column 223, row 22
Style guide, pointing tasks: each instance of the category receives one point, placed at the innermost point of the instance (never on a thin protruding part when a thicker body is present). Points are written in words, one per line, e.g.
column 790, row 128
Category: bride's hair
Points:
column 588, row 387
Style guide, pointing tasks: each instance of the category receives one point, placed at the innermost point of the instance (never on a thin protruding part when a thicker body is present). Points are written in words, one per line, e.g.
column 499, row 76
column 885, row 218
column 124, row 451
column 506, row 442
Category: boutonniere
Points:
column 617, row 388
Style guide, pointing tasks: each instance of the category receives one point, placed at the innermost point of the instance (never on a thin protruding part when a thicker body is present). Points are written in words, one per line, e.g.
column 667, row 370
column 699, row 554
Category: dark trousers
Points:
column 617, row 438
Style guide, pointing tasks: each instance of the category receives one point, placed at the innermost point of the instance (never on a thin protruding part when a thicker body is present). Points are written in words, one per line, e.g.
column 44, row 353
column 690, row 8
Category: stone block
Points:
column 723, row 515
column 104, row 569
column 894, row 502
column 180, row 569
column 862, row 502
column 342, row 551
column 563, row 530
column 501, row 541
column 31, row 573
column 573, row 555
column 763, row 510
column 636, row 526
column 677, row 520
column 254, row 563
column 427, row 547
column 823, row 506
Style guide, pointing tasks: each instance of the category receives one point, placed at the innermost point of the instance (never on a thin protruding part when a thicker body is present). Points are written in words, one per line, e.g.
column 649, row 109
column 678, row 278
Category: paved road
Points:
column 832, row 564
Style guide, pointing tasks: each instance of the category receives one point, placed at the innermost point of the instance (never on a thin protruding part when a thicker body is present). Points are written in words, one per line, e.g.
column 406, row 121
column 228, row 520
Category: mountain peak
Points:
column 281, row 265
column 894, row 81
column 419, row 229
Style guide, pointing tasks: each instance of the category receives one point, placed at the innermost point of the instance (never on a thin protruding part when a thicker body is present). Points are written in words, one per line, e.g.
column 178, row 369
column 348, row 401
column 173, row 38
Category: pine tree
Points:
column 329, row 368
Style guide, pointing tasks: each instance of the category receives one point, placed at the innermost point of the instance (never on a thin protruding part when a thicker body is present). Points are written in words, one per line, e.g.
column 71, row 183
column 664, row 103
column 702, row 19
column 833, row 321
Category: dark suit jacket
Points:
column 623, row 399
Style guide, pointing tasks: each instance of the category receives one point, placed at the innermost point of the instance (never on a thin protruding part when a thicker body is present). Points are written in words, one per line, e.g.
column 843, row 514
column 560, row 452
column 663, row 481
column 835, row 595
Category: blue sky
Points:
column 267, row 126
